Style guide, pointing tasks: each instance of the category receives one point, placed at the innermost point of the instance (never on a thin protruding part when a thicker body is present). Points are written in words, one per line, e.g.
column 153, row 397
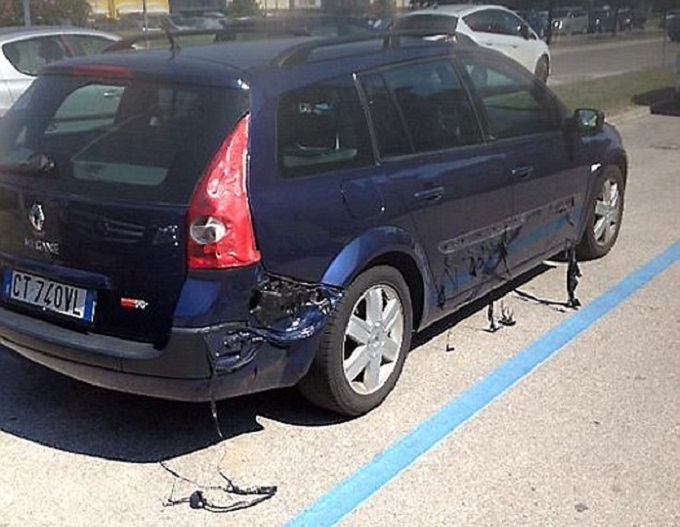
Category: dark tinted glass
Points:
column 386, row 118
column 322, row 128
column 494, row 21
column 130, row 140
column 428, row 24
column 434, row 105
column 31, row 55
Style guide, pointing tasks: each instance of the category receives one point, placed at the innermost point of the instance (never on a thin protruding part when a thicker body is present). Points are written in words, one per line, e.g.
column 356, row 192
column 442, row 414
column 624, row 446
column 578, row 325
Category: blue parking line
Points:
column 348, row 495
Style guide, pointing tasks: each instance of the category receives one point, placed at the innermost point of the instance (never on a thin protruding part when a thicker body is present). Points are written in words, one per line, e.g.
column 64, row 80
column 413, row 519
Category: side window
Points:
column 321, row 128
column 480, row 21
column 89, row 108
column 13, row 54
column 511, row 25
column 31, row 55
column 513, row 103
column 435, row 107
column 89, row 44
column 386, row 118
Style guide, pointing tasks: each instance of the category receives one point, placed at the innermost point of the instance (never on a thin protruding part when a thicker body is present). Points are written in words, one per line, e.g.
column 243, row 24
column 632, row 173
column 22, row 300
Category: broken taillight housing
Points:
column 221, row 232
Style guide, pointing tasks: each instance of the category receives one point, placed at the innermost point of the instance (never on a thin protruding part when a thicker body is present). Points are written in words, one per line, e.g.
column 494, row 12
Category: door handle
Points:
column 522, row 172
column 431, row 194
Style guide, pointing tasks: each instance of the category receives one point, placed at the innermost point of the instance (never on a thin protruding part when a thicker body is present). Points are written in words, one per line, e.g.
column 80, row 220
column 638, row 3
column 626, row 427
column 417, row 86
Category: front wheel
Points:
column 364, row 345
column 605, row 212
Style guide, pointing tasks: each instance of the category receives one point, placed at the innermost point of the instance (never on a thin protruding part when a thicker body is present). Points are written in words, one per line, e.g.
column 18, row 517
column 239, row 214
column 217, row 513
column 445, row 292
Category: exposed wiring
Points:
column 199, row 498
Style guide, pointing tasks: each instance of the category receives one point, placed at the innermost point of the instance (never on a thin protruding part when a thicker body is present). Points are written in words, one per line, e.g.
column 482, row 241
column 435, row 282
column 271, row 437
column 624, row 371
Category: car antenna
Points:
column 174, row 46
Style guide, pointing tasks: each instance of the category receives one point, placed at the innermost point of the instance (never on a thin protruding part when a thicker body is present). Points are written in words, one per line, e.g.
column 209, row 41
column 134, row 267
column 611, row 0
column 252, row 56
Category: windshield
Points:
column 560, row 13
column 124, row 139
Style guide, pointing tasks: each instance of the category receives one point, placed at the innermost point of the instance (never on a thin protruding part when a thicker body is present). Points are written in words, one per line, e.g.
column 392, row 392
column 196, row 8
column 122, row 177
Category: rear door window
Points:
column 88, row 44
column 428, row 24
column 494, row 21
column 126, row 139
column 30, row 56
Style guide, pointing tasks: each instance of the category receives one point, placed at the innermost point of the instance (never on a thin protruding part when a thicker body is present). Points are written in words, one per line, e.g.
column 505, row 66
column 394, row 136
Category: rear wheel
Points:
column 364, row 345
column 604, row 216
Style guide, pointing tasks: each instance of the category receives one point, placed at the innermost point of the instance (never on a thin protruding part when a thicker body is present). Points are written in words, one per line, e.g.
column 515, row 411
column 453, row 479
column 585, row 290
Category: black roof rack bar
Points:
column 299, row 54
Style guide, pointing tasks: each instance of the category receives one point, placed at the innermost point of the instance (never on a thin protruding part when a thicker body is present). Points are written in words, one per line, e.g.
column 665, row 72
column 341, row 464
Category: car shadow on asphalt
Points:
column 661, row 102
column 49, row 409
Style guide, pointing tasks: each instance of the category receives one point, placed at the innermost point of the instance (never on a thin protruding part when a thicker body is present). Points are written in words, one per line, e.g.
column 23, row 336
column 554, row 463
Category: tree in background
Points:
column 243, row 8
column 383, row 8
column 9, row 15
column 56, row 12
column 346, row 7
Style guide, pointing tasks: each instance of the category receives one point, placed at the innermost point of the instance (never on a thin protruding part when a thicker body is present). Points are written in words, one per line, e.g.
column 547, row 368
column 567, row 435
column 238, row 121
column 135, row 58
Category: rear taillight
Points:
column 221, row 232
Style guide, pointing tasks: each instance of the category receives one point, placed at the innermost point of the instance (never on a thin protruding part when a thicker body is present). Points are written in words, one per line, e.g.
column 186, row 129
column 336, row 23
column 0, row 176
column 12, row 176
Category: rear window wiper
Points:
column 35, row 165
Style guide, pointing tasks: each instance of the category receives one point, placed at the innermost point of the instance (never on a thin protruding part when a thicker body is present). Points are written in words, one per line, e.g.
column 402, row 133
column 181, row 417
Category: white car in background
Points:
column 24, row 51
column 490, row 26
column 677, row 77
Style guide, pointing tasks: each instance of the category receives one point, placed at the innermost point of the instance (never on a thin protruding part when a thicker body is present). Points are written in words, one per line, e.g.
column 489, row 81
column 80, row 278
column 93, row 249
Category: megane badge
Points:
column 37, row 217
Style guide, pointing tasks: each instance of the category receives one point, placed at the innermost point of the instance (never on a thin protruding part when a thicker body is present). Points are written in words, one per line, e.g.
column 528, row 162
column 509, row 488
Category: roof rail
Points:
column 300, row 53
column 225, row 34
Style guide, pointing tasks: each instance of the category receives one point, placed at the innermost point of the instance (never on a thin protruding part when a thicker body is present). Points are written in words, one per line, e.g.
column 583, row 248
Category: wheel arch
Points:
column 390, row 246
column 543, row 57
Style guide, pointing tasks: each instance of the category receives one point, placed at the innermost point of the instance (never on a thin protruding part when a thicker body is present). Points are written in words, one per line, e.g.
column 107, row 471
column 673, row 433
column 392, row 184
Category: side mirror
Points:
column 586, row 121
column 524, row 32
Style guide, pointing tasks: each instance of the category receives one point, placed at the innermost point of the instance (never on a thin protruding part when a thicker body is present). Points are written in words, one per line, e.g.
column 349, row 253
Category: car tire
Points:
column 363, row 346
column 542, row 68
column 605, row 212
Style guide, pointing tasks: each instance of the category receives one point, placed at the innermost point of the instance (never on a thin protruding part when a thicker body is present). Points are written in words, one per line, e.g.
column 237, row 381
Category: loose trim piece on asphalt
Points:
column 348, row 495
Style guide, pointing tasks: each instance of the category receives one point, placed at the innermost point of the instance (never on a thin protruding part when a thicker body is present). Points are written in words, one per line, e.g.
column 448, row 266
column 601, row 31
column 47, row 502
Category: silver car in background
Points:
column 569, row 20
column 24, row 51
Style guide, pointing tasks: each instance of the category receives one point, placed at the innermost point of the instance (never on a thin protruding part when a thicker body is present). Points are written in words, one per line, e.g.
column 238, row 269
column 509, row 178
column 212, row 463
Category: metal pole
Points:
column 27, row 13
column 144, row 19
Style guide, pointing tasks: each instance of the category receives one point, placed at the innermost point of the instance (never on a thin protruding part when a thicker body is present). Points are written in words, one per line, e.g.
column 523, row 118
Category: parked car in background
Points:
column 677, row 78
column 671, row 24
column 569, row 20
column 601, row 20
column 24, row 51
column 631, row 18
column 490, row 26
column 202, row 222
column 538, row 20
column 209, row 20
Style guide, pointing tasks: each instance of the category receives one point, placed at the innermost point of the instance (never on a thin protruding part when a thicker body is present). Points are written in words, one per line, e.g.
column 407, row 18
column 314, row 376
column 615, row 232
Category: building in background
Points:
column 114, row 9
column 197, row 6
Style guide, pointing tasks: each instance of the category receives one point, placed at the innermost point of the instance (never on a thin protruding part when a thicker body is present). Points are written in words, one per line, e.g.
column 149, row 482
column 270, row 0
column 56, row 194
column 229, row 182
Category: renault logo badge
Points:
column 36, row 217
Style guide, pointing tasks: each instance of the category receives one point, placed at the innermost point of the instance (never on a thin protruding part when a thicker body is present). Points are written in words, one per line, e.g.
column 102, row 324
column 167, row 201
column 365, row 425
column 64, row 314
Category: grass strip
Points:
column 618, row 93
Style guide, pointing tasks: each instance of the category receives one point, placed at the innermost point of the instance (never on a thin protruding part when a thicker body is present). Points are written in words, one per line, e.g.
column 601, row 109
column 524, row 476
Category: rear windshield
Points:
column 132, row 140
column 428, row 24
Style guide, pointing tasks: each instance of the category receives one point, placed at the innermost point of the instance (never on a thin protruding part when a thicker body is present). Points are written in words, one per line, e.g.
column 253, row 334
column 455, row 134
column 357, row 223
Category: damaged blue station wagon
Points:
column 205, row 222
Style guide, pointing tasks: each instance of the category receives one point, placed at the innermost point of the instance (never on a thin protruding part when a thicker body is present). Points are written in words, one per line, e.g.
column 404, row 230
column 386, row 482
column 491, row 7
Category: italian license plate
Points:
column 48, row 295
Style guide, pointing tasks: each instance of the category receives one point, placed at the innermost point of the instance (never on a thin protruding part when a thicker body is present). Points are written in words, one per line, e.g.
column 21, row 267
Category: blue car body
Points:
column 456, row 223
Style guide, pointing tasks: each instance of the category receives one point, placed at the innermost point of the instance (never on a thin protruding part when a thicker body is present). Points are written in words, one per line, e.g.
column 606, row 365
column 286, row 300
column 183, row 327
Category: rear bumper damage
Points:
column 273, row 348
